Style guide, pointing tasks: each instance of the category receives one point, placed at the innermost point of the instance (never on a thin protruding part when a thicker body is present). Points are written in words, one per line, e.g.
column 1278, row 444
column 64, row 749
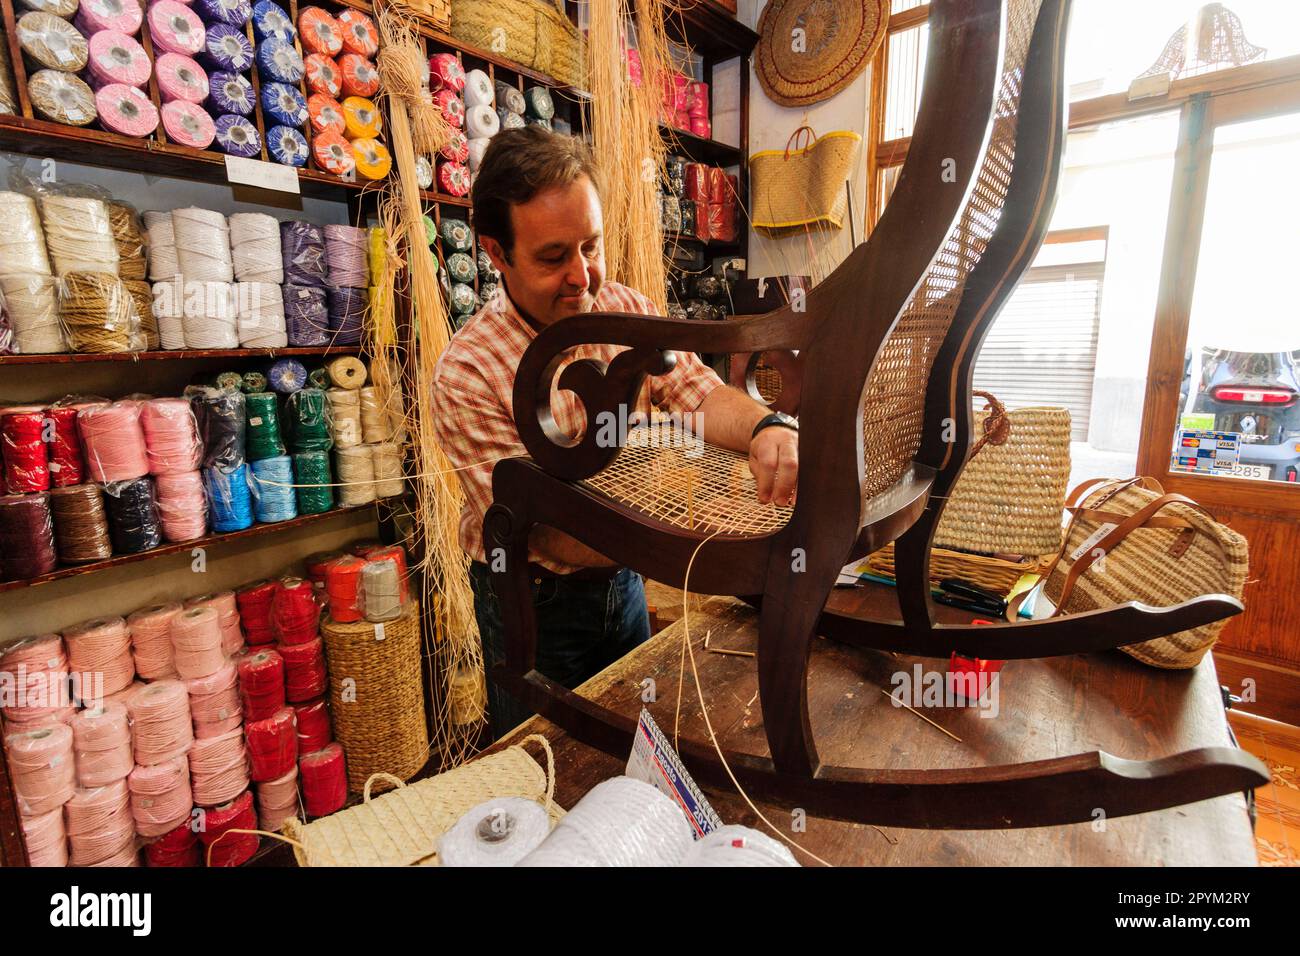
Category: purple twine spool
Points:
column 226, row 49
column 306, row 318
column 303, row 247
column 345, row 250
column 230, row 93
column 347, row 313
column 237, row 136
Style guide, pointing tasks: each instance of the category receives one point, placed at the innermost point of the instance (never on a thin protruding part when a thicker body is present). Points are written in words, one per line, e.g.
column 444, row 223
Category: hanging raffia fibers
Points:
column 46, row 839
column 171, row 435
column 196, row 642
column 32, row 302
column 129, row 241
column 22, row 242
column 160, row 722
column 356, row 474
column 80, row 524
column 101, row 646
column 113, row 441
column 498, row 832
column 78, row 234
column 182, row 506
column 259, row 313
column 345, row 416
column 163, row 263
column 38, row 663
column 468, row 697
column 387, row 463
column 42, row 768
column 160, row 795
column 100, row 826
column 202, row 245
column 97, row 309
column 214, row 703
column 218, row 768
column 227, row 608
column 277, row 800
column 101, row 739
column 151, row 642
column 255, row 247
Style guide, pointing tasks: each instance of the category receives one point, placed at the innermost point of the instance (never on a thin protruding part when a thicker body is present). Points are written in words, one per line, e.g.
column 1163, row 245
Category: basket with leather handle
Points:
column 1128, row 540
column 802, row 187
column 536, row 33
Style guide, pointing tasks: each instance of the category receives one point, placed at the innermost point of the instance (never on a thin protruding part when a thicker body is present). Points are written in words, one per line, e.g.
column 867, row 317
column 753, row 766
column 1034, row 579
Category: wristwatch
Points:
column 776, row 418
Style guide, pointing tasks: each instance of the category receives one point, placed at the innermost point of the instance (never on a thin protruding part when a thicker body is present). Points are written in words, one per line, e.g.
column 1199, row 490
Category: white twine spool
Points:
column 387, row 458
column 381, row 591
column 739, row 846
column 161, row 238
column 169, row 311
column 259, row 309
column 22, row 242
column 203, row 245
column 345, row 416
column 33, row 304
column 478, row 90
column 477, row 147
column 498, row 832
column 620, row 822
column 356, row 465
column 78, row 234
column 255, row 248
column 209, row 315
column 481, row 122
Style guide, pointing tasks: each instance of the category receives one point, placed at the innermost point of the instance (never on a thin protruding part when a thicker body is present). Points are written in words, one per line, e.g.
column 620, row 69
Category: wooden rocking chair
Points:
column 885, row 347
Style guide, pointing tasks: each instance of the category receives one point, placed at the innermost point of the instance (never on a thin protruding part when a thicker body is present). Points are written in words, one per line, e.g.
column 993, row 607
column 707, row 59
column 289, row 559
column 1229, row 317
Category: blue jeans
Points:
column 582, row 628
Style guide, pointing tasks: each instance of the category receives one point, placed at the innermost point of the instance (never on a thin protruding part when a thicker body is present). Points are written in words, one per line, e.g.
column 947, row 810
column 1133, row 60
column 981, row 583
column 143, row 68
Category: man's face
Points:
column 558, row 262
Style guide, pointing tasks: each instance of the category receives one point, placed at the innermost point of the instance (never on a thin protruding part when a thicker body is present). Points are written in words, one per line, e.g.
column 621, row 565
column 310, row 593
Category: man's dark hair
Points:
column 518, row 164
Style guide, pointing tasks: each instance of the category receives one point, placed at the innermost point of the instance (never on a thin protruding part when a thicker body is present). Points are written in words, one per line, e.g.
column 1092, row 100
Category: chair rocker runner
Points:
column 885, row 348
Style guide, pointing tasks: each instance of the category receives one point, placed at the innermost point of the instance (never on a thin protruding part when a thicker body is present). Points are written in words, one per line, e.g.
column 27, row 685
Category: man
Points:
column 536, row 209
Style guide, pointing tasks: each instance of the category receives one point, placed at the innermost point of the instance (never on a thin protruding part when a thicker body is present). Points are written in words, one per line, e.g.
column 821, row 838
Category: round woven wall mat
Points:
column 809, row 50
column 376, row 698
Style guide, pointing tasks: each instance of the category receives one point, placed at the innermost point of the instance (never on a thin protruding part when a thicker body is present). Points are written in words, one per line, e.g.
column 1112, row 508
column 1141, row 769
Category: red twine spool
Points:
column 27, row 469
column 261, row 685
column 272, row 745
column 254, row 603
column 324, row 784
column 27, row 536
column 318, row 564
column 304, row 670
column 313, row 720
column 67, row 463
column 234, row 848
column 342, row 586
column 294, row 612
column 178, row 847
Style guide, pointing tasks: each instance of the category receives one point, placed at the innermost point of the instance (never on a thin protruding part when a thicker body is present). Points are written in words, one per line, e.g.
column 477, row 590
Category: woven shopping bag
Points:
column 802, row 187
column 403, row 827
column 536, row 33
column 1130, row 541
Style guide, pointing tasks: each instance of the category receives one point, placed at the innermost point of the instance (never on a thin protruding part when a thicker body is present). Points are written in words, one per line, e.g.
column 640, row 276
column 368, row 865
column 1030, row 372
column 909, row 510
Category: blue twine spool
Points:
column 232, row 12
column 286, row 376
column 284, row 104
column 274, row 498
column 272, row 20
column 287, row 146
column 279, row 61
column 230, row 502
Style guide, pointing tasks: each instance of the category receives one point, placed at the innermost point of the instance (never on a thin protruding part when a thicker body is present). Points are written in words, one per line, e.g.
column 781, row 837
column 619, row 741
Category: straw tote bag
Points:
column 802, row 187
column 536, row 33
column 1130, row 541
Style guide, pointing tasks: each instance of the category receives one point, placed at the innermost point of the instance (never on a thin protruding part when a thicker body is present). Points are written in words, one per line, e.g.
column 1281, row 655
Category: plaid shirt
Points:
column 473, row 407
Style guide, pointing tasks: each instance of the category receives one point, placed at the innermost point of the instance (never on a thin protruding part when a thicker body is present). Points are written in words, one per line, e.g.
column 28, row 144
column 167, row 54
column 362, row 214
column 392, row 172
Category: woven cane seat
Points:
column 672, row 476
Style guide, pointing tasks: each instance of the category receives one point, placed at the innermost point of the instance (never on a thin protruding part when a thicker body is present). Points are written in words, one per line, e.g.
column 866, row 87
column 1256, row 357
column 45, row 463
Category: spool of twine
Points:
column 196, row 642
column 260, row 318
column 467, row 697
column 97, row 308
column 227, row 608
column 151, row 641
column 311, row 473
column 32, row 302
column 277, row 800
column 380, row 591
column 304, row 670
column 356, row 473
column 27, row 536
column 218, row 768
column 128, row 238
column 309, row 426
column 52, row 42
column 263, row 437
column 376, row 425
column 169, row 312
column 42, row 768
column 101, row 740
column 113, row 441
column 80, row 524
column 388, row 470
column 160, row 796
column 345, row 251
column 61, row 97
column 78, row 234
column 134, row 524
column 210, row 319
column 214, row 703
column 346, row 372
column 67, row 461
column 102, row 645
column 497, row 832
column 223, row 848
column 345, row 416
column 163, row 263
column 313, row 720
column 142, row 299
column 272, row 746
column 22, row 242
column 171, row 434
column 203, row 245
column 46, row 838
column 182, row 506
column 100, row 826
column 222, row 416
column 255, row 248
column 39, row 665
column 160, row 722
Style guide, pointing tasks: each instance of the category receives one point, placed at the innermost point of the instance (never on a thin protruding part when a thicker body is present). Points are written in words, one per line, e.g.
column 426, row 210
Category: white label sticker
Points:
column 255, row 420
column 379, row 631
column 254, row 172
column 1091, row 541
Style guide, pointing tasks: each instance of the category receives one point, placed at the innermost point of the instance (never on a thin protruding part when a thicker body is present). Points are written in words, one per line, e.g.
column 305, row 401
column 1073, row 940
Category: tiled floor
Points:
column 1277, row 806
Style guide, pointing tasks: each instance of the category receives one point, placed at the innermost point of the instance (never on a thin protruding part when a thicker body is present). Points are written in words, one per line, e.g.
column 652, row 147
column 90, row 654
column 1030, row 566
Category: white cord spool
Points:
column 477, row 147
column 356, row 472
column 498, row 832
column 169, row 311
column 78, row 234
column 478, row 90
column 22, row 242
column 203, row 245
column 209, row 315
column 259, row 309
column 255, row 248
column 32, row 301
column 481, row 122
column 620, row 822
column 161, row 239
column 739, row 846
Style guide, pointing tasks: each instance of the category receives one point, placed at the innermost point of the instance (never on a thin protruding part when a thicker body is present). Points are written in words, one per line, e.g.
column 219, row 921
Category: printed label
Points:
column 1091, row 541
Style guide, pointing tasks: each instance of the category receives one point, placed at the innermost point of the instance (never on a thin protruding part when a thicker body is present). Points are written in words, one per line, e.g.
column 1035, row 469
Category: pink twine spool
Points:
column 100, row 646
column 171, row 435
column 41, row 765
column 94, row 16
column 218, row 768
column 196, row 642
column 100, row 825
column 115, row 57
column 182, row 505
column 124, row 696
column 101, row 741
column 174, row 28
column 277, row 800
column 227, row 608
column 160, row 796
column 124, row 109
column 214, row 702
column 129, row 856
column 39, row 669
column 188, row 124
column 151, row 640
column 181, row 78
column 113, row 441
column 160, row 722
column 46, row 839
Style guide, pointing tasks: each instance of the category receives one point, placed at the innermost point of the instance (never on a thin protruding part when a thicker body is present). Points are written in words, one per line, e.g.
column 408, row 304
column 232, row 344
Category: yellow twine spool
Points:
column 373, row 158
column 347, row 371
column 125, row 226
column 142, row 298
column 361, row 118
column 96, row 309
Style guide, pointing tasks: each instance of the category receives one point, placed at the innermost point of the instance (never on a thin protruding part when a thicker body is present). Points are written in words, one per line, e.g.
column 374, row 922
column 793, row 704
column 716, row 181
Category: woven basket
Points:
column 536, row 33
column 795, row 190
column 992, row 574
column 376, row 696
column 1158, row 566
column 402, row 828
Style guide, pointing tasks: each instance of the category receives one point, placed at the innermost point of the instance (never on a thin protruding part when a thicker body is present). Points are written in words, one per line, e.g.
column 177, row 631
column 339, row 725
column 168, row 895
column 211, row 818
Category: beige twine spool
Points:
column 62, row 97
column 356, row 472
column 52, row 42
column 129, row 241
column 142, row 300
column 97, row 309
column 32, row 301
column 387, row 462
column 78, row 234
column 345, row 417
column 22, row 241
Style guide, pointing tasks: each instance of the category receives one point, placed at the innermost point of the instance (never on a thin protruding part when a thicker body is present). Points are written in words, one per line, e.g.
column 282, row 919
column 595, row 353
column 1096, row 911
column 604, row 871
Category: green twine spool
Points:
column 254, row 382
column 430, row 230
column 263, row 438
column 309, row 426
column 319, row 377
column 313, row 468
column 229, row 381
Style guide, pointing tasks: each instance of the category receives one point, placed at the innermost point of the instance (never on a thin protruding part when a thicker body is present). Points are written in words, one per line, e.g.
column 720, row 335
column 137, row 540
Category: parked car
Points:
column 1257, row 395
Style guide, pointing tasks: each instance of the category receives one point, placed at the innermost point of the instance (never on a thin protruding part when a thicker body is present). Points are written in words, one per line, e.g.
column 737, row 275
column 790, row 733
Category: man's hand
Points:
column 774, row 463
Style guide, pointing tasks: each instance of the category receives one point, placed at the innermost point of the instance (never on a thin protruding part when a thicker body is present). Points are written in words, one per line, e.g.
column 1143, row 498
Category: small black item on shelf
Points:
column 688, row 217
column 133, row 520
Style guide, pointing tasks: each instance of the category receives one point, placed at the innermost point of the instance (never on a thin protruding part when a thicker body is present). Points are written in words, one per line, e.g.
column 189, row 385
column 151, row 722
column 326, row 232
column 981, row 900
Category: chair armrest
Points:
column 608, row 392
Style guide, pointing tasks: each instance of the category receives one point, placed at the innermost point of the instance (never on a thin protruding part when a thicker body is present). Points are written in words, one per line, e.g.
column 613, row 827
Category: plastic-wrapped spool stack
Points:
column 372, row 159
column 271, row 20
column 180, row 78
column 381, row 591
column 134, row 523
column 80, row 524
column 97, row 16
column 182, row 506
column 42, row 659
column 303, row 253
column 333, row 153
column 171, row 433
column 306, row 315
column 197, row 642
column 169, row 311
column 384, row 729
column 45, row 838
column 311, row 470
column 151, row 642
column 263, row 438
column 325, row 114
column 308, row 425
column 188, row 124
column 67, row 462
column 304, row 670
column 255, row 248
column 273, row 492
column 161, row 241
column 237, row 136
column 222, row 418
column 221, row 848
column 294, row 612
column 210, row 315
column 227, row 608
column 27, row 536
column 160, row 722
column 343, row 589
column 345, row 417
column 129, row 240
column 229, row 496
column 230, row 12
column 345, row 253
column 101, row 737
column 101, row 831
column 227, row 49
column 479, row 90
column 287, row 146
column 51, row 43
column 97, row 310
column 259, row 312
column 357, row 76
column 261, row 684
column 113, row 441
column 231, row 93
column 272, row 745
column 324, row 781
column 481, row 123
column 313, row 720
column 144, row 324
column 42, row 768
column 355, row 468
column 254, row 603
column 361, row 118
column 283, row 104
column 61, row 97
column 22, row 245
column 79, row 234
column 277, row 800
column 175, row 28
column 32, row 303
column 26, row 467
column 218, row 768
column 497, row 832
column 202, row 240
column 101, row 646
column 160, row 796
column 620, row 822
column 323, row 75
column 279, row 62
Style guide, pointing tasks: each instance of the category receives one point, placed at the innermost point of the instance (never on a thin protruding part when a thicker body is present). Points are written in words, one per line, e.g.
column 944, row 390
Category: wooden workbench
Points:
column 1045, row 708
